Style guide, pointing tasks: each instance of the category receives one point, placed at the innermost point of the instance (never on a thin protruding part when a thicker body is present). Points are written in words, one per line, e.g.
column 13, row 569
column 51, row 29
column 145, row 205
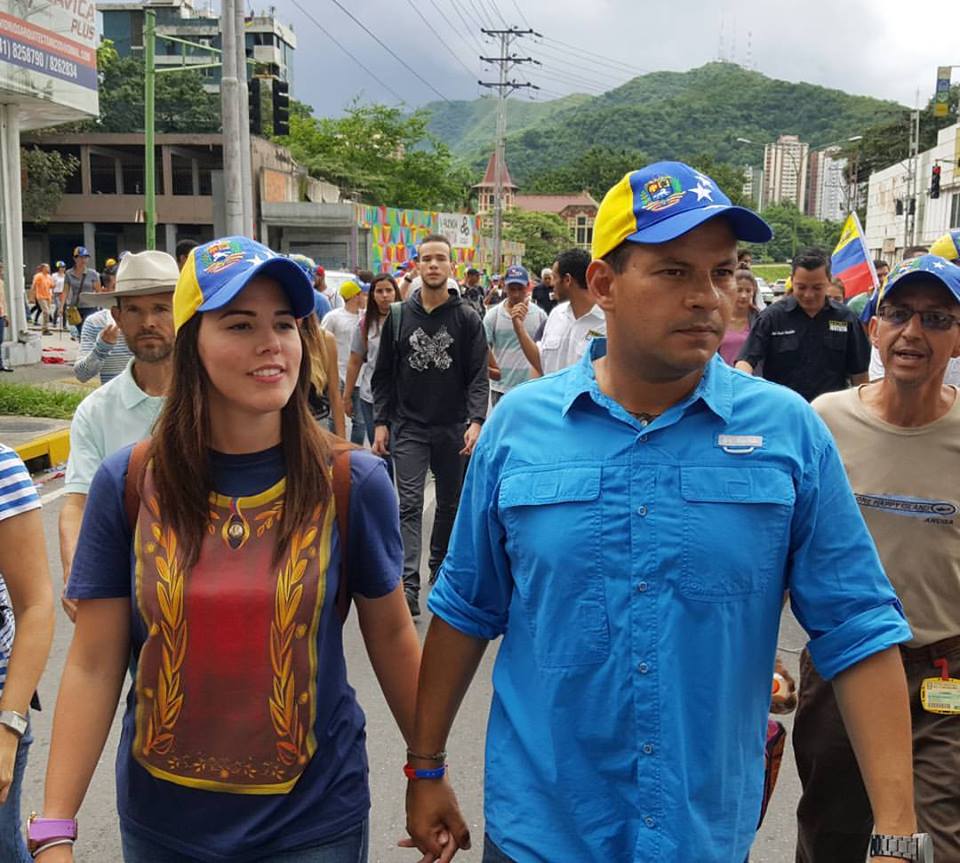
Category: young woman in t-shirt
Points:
column 742, row 318
column 366, row 345
column 242, row 739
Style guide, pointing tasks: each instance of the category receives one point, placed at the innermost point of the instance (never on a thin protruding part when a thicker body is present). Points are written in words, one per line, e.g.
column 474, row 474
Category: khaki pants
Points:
column 45, row 312
column 834, row 820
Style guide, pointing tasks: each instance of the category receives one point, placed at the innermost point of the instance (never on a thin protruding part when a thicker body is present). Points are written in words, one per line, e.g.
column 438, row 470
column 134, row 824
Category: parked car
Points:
column 780, row 287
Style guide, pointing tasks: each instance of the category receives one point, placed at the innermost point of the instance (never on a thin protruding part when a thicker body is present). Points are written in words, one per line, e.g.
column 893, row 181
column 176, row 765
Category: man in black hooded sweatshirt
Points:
column 430, row 393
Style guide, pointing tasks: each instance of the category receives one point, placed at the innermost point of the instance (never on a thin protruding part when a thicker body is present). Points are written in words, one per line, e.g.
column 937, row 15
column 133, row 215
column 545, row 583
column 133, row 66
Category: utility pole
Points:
column 230, row 119
column 150, row 153
column 246, row 167
column 910, row 211
column 504, row 87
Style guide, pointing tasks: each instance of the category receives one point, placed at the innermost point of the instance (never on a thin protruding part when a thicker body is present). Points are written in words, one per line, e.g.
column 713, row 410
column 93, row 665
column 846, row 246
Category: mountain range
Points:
column 663, row 115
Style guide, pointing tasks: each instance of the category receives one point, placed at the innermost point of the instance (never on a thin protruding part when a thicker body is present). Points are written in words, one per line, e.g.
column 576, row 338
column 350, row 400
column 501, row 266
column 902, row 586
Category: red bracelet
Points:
column 412, row 773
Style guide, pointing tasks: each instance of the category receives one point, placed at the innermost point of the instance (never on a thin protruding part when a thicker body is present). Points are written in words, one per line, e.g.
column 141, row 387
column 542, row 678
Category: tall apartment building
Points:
column 269, row 43
column 785, row 167
column 828, row 193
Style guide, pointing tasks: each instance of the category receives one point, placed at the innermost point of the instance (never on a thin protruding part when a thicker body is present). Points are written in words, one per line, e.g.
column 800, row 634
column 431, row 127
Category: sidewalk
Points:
column 40, row 441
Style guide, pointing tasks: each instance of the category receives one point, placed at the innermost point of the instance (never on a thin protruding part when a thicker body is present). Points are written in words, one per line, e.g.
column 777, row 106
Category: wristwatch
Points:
column 917, row 848
column 16, row 722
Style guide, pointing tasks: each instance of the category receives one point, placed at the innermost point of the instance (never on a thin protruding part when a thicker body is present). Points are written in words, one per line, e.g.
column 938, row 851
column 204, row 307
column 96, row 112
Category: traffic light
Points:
column 256, row 107
column 935, row 182
column 281, row 107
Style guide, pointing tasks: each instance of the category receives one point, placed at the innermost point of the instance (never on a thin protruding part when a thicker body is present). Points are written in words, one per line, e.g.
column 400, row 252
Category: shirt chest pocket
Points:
column 554, row 527
column 736, row 527
column 786, row 343
column 836, row 340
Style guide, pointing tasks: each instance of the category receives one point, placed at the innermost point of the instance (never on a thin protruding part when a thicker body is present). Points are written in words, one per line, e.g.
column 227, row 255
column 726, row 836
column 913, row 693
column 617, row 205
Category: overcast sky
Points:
column 879, row 48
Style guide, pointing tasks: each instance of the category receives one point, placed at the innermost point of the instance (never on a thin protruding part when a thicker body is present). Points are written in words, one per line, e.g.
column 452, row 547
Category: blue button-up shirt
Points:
column 636, row 574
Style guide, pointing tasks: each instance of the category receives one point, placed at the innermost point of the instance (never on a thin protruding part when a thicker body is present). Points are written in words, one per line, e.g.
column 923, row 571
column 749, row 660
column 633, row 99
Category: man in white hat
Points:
column 122, row 411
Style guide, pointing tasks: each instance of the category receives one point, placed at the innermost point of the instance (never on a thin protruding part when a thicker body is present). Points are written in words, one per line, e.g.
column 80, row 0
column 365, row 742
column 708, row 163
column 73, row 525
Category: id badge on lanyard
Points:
column 941, row 694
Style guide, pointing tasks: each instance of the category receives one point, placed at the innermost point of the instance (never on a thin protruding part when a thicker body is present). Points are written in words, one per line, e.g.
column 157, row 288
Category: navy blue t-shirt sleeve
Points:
column 375, row 550
column 101, row 564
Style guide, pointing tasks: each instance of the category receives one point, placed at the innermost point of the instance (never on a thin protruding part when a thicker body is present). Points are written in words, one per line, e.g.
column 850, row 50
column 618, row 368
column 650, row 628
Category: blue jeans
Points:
column 347, row 847
column 366, row 412
column 356, row 423
column 12, row 847
column 492, row 854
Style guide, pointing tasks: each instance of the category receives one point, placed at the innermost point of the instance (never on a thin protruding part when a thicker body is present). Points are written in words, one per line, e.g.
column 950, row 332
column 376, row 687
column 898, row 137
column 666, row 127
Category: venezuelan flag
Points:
column 851, row 261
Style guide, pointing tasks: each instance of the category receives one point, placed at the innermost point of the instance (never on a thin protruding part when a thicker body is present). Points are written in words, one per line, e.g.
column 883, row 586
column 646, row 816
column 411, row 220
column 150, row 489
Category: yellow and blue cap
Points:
column 948, row 246
column 663, row 201
column 920, row 269
column 216, row 272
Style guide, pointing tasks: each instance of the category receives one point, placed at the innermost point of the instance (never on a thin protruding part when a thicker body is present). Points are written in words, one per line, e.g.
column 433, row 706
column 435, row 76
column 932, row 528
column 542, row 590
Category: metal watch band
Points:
column 904, row 847
column 16, row 722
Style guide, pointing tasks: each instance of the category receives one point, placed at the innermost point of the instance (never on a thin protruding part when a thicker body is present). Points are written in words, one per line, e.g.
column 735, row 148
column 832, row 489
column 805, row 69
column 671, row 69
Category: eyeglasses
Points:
column 900, row 316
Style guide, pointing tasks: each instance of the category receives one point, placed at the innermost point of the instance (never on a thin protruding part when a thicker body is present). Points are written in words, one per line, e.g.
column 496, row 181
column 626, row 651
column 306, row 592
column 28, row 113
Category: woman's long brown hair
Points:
column 181, row 461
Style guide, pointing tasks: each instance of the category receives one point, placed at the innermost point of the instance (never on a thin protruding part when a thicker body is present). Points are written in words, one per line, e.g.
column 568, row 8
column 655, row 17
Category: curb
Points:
column 55, row 446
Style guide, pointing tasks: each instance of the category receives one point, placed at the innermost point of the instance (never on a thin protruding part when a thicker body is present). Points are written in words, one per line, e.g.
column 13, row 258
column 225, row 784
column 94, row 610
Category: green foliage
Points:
column 595, row 171
column 33, row 401
column 792, row 230
column 46, row 179
column 181, row 104
column 674, row 115
column 727, row 177
column 380, row 156
column 544, row 235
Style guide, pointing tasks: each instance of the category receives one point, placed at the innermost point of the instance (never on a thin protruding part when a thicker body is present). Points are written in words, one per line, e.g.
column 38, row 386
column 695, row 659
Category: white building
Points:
column 829, row 193
column 785, row 165
column 888, row 204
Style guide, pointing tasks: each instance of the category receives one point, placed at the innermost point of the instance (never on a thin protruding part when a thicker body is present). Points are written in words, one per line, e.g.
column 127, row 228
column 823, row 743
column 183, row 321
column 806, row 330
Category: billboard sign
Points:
column 458, row 229
column 48, row 54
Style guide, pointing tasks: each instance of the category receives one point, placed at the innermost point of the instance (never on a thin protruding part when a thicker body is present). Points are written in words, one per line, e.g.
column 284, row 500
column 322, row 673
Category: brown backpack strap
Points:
column 341, row 498
column 131, row 488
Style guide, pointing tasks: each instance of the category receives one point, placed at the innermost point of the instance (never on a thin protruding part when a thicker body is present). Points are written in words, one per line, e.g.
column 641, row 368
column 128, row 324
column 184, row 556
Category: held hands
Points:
column 434, row 821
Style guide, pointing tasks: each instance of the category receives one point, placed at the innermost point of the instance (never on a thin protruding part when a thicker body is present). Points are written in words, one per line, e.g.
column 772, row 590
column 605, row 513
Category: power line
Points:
column 554, row 72
column 523, row 17
column 387, row 48
column 463, row 12
column 497, row 12
column 442, row 40
column 609, row 60
column 466, row 38
column 604, row 78
column 596, row 66
column 353, row 57
column 484, row 17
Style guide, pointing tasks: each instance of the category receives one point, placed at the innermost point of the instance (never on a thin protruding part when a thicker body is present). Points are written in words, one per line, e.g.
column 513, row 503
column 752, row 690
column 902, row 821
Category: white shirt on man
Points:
column 341, row 323
column 565, row 338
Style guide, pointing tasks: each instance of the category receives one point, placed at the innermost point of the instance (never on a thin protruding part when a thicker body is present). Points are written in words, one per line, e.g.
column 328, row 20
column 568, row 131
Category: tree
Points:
column 793, row 230
column 729, row 178
column 545, row 235
column 181, row 103
column 595, row 171
column 46, row 178
column 380, row 156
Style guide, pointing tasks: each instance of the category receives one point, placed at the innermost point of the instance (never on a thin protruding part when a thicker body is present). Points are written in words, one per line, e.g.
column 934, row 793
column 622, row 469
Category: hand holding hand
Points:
column 434, row 821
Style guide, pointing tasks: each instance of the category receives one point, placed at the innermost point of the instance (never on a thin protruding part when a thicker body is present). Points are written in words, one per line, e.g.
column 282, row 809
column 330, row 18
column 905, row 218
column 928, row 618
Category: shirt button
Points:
column 643, row 438
column 642, row 587
column 648, row 749
column 644, row 424
column 643, row 668
column 642, row 511
column 650, row 822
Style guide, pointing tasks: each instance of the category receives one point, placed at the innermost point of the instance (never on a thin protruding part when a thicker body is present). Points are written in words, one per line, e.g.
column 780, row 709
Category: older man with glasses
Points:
column 899, row 438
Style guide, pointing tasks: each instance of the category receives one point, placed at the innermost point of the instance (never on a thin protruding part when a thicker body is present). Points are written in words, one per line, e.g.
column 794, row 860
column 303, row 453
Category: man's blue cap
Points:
column 663, row 201
column 81, row 252
column 321, row 305
column 516, row 275
column 923, row 269
column 216, row 272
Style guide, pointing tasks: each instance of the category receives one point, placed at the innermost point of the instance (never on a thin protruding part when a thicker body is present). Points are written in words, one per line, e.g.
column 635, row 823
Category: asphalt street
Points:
column 99, row 835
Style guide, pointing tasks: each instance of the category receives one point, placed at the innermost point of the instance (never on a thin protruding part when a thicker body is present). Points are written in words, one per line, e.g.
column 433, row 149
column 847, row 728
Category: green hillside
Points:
column 467, row 127
column 679, row 115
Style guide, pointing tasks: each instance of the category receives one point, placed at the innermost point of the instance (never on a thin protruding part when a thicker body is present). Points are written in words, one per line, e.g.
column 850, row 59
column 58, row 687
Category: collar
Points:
column 715, row 388
column 130, row 393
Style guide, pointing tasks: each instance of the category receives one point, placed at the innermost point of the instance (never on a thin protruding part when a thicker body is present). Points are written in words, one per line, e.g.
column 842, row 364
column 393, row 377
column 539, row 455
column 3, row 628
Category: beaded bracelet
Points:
column 440, row 756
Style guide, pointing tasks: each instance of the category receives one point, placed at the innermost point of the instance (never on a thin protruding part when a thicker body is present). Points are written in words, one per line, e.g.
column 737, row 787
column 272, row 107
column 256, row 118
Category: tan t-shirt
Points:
column 907, row 482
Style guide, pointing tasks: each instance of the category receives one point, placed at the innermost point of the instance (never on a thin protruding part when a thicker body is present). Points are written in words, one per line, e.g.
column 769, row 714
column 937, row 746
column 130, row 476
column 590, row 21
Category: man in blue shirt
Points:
column 646, row 550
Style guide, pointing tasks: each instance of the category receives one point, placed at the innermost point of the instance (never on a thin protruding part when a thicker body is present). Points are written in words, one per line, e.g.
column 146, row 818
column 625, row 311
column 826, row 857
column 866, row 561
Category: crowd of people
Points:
column 620, row 498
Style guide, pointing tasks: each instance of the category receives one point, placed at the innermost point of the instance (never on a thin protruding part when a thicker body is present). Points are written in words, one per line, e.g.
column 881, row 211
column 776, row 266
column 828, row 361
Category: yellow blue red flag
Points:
column 851, row 261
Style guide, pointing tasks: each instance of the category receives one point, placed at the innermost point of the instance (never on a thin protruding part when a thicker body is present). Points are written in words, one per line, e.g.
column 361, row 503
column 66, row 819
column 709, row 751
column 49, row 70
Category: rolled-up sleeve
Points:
column 475, row 583
column 838, row 589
